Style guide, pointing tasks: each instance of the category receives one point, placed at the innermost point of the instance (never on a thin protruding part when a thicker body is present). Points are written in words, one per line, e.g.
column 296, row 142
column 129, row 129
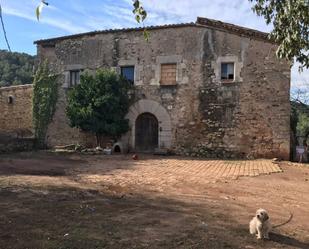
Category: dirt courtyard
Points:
column 72, row 201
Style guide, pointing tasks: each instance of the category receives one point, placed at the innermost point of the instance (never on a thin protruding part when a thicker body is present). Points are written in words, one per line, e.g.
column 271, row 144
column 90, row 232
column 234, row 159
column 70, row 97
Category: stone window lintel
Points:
column 238, row 65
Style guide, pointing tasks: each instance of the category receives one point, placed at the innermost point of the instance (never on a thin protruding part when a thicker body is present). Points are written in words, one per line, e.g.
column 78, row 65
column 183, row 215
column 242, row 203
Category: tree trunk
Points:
column 97, row 135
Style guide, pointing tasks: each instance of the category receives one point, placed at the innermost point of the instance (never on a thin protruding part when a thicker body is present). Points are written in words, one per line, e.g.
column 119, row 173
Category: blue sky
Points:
column 76, row 16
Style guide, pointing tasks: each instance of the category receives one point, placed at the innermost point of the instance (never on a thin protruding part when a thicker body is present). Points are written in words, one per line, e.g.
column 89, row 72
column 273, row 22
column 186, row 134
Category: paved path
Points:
column 161, row 172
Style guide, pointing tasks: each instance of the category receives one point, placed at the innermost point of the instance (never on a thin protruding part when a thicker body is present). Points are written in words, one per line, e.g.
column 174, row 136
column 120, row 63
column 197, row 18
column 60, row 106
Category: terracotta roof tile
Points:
column 206, row 22
column 200, row 22
column 92, row 33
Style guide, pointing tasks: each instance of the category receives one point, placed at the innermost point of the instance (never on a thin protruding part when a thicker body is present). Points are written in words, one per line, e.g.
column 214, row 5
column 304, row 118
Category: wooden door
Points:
column 146, row 133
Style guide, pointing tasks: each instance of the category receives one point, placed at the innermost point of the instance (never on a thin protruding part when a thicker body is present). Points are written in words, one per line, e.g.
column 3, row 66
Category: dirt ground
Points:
column 70, row 201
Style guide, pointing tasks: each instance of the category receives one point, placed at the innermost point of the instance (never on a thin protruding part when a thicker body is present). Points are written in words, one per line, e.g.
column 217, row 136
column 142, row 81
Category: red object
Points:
column 134, row 157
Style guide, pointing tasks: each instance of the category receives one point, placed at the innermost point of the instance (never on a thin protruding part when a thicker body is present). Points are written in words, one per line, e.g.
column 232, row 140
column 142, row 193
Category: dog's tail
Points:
column 286, row 222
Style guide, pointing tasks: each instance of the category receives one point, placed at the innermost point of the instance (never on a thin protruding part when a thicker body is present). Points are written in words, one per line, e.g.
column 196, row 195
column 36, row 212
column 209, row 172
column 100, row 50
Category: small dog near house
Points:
column 260, row 224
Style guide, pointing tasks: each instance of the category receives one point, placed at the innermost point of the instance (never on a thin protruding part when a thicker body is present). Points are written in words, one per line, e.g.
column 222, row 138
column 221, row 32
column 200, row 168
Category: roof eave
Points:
column 211, row 23
column 92, row 33
column 200, row 22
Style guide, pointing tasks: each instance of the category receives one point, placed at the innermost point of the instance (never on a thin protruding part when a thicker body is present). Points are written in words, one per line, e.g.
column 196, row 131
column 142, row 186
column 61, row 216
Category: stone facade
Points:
column 16, row 130
column 16, row 110
column 199, row 115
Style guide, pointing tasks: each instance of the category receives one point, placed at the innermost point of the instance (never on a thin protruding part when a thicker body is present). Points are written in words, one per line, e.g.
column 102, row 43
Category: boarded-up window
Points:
column 227, row 71
column 168, row 74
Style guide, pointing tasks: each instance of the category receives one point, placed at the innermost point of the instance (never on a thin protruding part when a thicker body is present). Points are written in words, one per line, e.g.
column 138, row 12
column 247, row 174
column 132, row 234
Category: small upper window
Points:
column 227, row 71
column 128, row 73
column 10, row 99
column 168, row 74
column 74, row 77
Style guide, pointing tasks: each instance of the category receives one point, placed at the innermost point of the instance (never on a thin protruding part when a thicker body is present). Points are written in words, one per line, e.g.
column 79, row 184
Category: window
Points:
column 227, row 71
column 128, row 73
column 74, row 77
column 10, row 99
column 168, row 74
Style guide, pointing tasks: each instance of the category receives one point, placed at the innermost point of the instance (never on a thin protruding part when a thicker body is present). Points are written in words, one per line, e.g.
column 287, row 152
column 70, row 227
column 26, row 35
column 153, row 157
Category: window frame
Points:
column 76, row 80
column 128, row 66
column 227, row 80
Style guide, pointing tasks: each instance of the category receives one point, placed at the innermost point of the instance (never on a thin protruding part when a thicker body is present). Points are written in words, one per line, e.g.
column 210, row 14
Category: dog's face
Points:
column 262, row 215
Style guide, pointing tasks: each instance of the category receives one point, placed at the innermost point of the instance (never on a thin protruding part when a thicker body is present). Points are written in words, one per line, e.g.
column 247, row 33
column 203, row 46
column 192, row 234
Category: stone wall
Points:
column 59, row 131
column 16, row 110
column 16, row 130
column 9, row 143
column 119, row 49
column 248, row 117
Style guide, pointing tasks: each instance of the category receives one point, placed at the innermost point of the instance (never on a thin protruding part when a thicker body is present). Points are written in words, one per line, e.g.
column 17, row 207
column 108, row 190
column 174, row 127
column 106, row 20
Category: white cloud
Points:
column 237, row 11
column 76, row 16
column 26, row 9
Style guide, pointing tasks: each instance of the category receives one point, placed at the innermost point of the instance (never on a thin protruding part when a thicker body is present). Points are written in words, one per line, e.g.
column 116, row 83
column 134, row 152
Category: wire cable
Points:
column 3, row 28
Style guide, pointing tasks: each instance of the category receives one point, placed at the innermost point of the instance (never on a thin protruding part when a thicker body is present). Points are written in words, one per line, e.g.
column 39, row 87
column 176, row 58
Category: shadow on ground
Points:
column 288, row 241
column 43, row 205
column 38, row 164
column 66, row 218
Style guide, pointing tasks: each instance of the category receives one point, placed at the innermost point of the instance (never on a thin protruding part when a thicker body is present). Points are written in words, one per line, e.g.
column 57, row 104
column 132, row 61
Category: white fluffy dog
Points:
column 260, row 224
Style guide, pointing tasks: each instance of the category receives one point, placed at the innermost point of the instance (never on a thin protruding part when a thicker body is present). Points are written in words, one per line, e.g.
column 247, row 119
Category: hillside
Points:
column 15, row 68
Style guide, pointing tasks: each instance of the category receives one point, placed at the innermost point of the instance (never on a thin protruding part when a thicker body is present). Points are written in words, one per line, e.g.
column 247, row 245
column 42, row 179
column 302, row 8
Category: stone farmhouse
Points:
column 207, row 88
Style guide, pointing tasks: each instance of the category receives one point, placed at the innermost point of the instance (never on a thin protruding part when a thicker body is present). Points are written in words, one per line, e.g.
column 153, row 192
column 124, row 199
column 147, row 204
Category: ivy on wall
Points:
column 45, row 95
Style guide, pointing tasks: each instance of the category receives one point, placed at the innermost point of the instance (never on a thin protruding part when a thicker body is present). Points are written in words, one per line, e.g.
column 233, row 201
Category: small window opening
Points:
column 128, row 73
column 117, row 149
column 10, row 99
column 74, row 77
column 227, row 71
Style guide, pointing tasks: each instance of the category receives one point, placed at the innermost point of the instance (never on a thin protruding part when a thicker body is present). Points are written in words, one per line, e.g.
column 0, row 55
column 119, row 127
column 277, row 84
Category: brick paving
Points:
column 160, row 172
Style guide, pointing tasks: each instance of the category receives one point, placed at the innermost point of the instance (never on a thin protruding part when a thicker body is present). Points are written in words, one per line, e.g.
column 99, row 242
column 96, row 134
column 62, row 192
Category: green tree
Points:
column 45, row 94
column 303, row 125
column 290, row 20
column 99, row 104
column 294, row 117
column 15, row 68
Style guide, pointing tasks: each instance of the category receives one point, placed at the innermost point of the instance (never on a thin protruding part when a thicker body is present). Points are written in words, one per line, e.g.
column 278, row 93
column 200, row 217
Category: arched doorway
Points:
column 146, row 132
column 159, row 112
